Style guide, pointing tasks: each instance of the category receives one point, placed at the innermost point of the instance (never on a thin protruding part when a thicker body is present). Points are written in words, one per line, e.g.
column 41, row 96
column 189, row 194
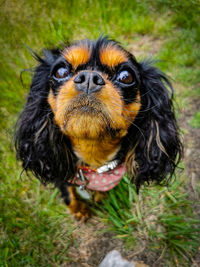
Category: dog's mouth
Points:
column 85, row 105
column 86, row 117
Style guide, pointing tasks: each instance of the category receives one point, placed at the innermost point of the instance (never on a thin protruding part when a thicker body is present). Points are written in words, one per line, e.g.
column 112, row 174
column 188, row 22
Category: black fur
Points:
column 40, row 145
column 45, row 151
column 156, row 118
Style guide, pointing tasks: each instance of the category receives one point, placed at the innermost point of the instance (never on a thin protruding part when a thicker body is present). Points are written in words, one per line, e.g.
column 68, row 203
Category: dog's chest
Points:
column 95, row 153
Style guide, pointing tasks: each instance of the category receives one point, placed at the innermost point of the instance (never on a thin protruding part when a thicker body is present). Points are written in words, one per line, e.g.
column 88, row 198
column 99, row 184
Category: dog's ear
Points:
column 157, row 147
column 39, row 143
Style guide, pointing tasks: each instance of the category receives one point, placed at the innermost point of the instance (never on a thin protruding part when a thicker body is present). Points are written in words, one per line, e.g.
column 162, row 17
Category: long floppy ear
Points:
column 157, row 146
column 38, row 141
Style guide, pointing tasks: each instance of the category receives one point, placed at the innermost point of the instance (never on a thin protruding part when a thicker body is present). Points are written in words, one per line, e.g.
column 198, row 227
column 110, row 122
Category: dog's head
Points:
column 97, row 91
column 94, row 90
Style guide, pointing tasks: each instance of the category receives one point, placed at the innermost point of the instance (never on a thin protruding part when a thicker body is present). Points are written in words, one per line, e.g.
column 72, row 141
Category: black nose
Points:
column 89, row 82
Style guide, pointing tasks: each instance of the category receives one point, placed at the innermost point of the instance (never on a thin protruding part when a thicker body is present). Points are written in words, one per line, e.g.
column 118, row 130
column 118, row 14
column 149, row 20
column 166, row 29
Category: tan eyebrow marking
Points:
column 112, row 56
column 77, row 55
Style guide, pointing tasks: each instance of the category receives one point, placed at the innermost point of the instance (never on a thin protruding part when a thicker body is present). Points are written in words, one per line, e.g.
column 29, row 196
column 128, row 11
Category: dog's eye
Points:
column 61, row 73
column 125, row 77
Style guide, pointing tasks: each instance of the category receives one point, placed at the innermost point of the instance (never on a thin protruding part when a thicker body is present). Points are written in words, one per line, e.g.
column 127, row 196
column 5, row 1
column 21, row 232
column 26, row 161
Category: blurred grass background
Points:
column 35, row 229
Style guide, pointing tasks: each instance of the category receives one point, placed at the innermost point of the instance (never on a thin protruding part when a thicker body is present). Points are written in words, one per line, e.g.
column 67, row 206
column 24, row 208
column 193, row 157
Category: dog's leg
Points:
column 77, row 207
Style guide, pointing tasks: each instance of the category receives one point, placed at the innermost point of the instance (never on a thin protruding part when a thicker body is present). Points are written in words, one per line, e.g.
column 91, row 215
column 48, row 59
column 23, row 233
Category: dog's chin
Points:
column 86, row 122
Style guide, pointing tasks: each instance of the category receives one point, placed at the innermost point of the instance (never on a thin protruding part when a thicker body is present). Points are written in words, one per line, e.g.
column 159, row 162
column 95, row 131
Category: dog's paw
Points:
column 79, row 210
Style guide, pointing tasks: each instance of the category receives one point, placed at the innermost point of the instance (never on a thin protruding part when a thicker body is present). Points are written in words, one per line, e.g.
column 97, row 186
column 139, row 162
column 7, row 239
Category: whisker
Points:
column 124, row 107
column 140, row 130
column 146, row 93
column 140, row 111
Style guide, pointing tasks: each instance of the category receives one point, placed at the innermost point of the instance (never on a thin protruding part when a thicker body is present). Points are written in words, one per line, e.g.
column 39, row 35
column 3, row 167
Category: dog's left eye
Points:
column 61, row 73
column 125, row 77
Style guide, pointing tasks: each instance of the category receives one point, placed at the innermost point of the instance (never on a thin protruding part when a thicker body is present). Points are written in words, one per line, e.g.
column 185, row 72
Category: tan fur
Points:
column 131, row 110
column 59, row 103
column 77, row 55
column 52, row 101
column 95, row 152
column 77, row 207
column 131, row 164
column 112, row 56
column 88, row 130
column 158, row 141
column 149, row 141
column 37, row 135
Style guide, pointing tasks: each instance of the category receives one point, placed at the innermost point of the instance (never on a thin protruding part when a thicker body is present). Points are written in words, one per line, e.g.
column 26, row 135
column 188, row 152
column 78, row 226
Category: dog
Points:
column 93, row 114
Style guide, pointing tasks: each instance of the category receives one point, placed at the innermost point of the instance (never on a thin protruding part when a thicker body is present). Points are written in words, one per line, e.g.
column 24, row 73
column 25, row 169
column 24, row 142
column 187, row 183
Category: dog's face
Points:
column 97, row 91
column 94, row 90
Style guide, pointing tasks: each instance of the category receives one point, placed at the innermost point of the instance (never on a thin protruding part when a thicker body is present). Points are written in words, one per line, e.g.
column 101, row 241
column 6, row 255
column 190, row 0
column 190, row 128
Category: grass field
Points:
column 160, row 226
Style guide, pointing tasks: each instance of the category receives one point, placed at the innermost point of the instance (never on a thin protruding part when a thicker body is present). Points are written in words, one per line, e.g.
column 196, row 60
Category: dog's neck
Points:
column 94, row 152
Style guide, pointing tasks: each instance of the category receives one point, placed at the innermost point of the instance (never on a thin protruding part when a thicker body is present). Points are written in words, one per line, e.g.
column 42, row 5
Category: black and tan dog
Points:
column 94, row 113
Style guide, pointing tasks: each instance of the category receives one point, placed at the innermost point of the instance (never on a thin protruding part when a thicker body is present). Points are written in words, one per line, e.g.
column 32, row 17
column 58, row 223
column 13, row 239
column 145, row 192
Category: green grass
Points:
column 35, row 229
column 163, row 215
column 195, row 121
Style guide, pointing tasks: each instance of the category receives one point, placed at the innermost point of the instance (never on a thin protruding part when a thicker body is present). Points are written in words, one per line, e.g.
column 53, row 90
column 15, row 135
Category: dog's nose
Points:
column 89, row 82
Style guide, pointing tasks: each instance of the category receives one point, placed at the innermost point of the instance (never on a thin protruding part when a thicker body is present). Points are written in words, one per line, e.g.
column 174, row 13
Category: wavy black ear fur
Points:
column 39, row 143
column 157, row 146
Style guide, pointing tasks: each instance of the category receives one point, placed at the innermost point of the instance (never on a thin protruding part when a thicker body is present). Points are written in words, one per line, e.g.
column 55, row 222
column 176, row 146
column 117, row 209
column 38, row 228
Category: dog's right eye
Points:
column 61, row 73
